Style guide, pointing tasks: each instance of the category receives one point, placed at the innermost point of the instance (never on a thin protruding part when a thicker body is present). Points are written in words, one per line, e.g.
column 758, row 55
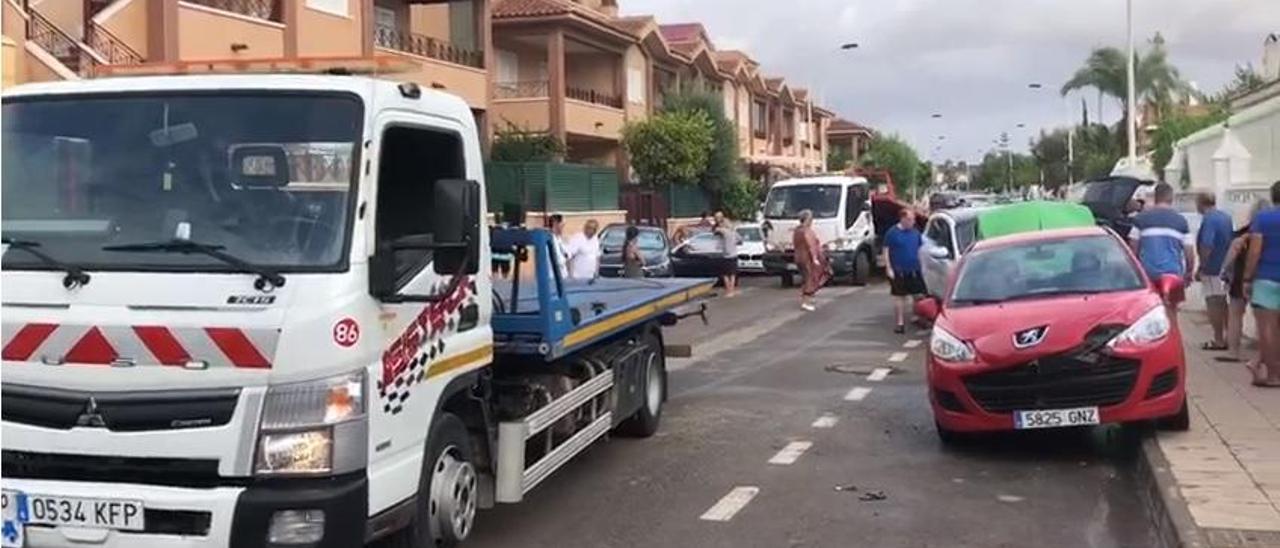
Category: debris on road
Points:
column 850, row 369
column 872, row 496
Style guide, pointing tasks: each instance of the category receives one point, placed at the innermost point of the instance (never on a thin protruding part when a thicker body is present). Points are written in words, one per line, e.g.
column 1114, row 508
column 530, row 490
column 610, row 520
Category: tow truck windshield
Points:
column 266, row 178
column 786, row 202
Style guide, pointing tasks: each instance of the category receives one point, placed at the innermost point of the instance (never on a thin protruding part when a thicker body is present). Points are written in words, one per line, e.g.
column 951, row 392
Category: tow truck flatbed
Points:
column 541, row 314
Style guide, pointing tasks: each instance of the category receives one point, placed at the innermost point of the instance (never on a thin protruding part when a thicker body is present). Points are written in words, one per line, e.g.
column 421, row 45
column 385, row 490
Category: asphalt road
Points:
column 781, row 414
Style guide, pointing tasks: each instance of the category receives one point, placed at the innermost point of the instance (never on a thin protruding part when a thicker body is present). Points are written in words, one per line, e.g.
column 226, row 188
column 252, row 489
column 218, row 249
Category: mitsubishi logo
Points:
column 1028, row 338
column 91, row 416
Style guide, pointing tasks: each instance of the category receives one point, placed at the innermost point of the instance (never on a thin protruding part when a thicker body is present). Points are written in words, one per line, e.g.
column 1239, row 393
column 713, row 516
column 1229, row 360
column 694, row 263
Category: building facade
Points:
column 848, row 141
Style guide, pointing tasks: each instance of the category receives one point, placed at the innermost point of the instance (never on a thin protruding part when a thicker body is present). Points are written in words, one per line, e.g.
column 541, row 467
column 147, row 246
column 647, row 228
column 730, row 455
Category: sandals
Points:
column 1214, row 347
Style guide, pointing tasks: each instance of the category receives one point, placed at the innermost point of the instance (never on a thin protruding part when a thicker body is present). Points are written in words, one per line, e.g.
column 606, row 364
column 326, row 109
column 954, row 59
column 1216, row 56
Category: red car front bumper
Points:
column 983, row 397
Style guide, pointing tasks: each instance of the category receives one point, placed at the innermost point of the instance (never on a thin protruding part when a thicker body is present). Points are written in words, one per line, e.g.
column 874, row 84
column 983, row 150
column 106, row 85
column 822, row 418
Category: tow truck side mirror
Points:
column 455, row 223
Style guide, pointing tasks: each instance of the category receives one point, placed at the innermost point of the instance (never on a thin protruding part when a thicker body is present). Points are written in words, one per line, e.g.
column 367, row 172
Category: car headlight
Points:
column 946, row 347
column 1151, row 327
column 314, row 427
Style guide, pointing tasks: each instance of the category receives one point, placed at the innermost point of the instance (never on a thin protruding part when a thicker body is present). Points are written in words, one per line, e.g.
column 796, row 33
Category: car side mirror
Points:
column 928, row 308
column 939, row 252
column 455, row 225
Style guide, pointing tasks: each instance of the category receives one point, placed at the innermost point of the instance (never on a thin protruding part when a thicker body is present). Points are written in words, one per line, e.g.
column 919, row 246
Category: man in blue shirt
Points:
column 902, row 261
column 1212, row 243
column 1163, row 240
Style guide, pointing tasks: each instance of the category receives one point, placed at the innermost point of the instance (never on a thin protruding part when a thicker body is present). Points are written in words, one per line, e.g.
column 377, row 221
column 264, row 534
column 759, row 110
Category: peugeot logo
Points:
column 1028, row 338
column 91, row 416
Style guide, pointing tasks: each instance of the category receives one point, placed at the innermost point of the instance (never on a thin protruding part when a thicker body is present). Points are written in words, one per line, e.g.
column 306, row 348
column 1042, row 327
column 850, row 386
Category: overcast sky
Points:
column 970, row 60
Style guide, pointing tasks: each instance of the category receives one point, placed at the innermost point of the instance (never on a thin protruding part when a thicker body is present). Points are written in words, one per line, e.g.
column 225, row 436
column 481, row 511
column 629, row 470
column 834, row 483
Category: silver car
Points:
column 947, row 235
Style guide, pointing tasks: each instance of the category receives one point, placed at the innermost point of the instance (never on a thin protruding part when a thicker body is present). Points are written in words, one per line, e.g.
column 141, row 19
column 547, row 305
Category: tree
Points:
column 1155, row 79
column 839, row 159
column 741, row 198
column 891, row 153
column 722, row 163
column 670, row 148
column 516, row 144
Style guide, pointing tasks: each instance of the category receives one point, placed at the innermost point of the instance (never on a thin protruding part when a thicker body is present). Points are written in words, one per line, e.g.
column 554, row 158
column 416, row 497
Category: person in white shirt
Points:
column 583, row 251
column 557, row 239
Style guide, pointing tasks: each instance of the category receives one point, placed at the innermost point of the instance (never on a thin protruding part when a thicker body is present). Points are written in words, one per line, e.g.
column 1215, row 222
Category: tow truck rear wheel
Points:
column 644, row 422
column 447, row 490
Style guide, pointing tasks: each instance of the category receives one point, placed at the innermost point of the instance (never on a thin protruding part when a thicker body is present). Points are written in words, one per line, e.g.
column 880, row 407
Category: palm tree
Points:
column 1155, row 80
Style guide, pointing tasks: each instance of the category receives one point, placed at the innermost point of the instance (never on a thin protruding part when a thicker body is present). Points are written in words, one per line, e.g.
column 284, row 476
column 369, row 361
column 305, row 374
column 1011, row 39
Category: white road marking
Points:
column 825, row 421
column 911, row 343
column 898, row 356
column 878, row 374
column 791, row 453
column 1009, row 498
column 857, row 394
column 733, row 502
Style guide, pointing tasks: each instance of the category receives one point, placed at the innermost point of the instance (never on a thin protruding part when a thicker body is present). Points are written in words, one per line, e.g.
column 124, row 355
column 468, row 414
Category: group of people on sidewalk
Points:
column 1236, row 268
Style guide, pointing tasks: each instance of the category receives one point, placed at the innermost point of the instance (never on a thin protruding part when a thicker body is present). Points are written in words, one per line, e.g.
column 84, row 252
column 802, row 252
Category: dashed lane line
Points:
column 898, row 356
column 911, row 343
column 825, row 421
column 878, row 374
column 791, row 453
column 731, row 504
column 858, row 393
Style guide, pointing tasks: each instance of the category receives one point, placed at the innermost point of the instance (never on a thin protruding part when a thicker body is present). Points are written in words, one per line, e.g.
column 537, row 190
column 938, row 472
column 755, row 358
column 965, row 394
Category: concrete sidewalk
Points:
column 1225, row 471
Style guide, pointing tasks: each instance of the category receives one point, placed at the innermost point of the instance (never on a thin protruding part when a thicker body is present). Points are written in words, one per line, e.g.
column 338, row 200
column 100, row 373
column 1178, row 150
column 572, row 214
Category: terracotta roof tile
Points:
column 840, row 124
column 633, row 25
column 531, row 8
column 682, row 32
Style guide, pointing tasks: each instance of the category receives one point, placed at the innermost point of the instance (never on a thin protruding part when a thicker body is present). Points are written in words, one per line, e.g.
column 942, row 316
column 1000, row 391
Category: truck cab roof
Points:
column 841, row 180
column 382, row 92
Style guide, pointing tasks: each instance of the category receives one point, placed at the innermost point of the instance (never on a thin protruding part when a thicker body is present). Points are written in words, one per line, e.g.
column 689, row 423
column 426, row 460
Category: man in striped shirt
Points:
column 1162, row 238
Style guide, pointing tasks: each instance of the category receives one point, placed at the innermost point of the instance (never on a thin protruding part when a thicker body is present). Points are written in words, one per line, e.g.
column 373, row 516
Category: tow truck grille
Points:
column 1056, row 382
column 118, row 412
column 93, row 468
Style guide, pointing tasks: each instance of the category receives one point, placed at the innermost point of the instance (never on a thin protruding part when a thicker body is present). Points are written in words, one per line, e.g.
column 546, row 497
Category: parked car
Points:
column 1114, row 199
column 1053, row 329
column 750, row 249
column 654, row 246
column 701, row 256
column 950, row 233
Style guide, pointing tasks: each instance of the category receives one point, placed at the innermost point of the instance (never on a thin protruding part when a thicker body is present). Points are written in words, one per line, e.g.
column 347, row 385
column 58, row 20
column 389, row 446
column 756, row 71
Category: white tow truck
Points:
column 256, row 310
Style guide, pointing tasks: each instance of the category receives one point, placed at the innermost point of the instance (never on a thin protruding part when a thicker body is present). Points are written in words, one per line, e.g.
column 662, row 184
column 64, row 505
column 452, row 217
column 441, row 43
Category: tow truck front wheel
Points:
column 861, row 270
column 447, row 491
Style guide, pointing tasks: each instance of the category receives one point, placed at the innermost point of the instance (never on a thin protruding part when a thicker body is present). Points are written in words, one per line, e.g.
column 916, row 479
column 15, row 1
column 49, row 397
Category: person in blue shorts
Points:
column 1262, row 286
column 1212, row 243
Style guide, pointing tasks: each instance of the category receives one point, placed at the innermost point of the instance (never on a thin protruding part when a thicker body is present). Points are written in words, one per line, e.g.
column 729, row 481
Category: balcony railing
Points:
column 62, row 46
column 427, row 46
column 270, row 10
column 593, row 96
column 110, row 47
column 519, row 90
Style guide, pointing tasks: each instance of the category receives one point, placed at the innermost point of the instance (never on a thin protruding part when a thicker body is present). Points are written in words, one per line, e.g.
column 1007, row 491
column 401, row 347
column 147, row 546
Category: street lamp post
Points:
column 1132, row 93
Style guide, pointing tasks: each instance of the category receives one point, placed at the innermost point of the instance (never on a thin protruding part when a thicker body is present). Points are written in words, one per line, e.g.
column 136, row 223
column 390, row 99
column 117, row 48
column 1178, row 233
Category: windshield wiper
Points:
column 268, row 279
column 75, row 277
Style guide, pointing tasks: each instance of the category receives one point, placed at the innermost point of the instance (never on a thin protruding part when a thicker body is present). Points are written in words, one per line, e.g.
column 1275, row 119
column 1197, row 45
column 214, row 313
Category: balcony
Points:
column 594, row 97
column 426, row 46
column 588, row 112
column 269, row 10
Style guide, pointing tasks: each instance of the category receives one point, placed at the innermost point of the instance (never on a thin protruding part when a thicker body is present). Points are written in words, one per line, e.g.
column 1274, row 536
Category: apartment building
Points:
column 437, row 43
column 850, row 139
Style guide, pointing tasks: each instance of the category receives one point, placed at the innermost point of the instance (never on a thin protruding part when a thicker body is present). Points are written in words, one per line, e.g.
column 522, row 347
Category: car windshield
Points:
column 786, row 202
column 1083, row 264
column 751, row 234
column 268, row 177
column 648, row 240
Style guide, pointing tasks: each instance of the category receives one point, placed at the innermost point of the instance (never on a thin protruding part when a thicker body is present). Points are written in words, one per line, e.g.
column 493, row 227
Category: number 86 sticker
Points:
column 346, row 332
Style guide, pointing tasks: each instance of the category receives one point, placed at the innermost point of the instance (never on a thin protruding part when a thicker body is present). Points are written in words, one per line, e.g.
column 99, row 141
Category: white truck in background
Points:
column 256, row 310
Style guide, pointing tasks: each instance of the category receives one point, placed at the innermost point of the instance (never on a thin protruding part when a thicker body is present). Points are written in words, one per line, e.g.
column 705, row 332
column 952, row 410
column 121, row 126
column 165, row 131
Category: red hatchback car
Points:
column 1053, row 329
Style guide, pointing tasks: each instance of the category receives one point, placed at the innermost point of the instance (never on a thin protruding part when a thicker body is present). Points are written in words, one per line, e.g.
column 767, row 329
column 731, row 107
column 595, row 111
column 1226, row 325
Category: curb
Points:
column 1166, row 508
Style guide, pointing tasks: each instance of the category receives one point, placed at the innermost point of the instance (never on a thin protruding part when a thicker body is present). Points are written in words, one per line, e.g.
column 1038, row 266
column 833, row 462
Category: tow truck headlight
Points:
column 314, row 427
column 1151, row 327
column 948, row 348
